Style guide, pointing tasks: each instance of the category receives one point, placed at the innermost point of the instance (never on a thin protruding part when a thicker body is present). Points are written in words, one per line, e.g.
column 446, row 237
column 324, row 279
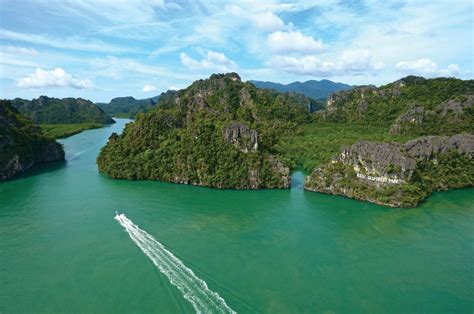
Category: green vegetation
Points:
column 447, row 171
column 315, row 144
column 123, row 115
column 225, row 133
column 66, row 130
column 46, row 110
column 129, row 107
column 22, row 144
column 450, row 170
column 196, row 136
column 382, row 106
column 449, row 117
column 369, row 113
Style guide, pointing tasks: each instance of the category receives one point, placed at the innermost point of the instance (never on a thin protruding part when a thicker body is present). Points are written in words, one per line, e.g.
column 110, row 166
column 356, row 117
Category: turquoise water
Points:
column 278, row 251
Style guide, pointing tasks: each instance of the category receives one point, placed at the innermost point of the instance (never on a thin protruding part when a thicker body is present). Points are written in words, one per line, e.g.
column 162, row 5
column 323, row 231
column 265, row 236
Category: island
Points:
column 219, row 132
column 62, row 117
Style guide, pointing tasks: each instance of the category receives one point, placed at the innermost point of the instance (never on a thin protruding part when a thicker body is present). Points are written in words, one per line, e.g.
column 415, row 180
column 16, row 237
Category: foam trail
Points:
column 194, row 289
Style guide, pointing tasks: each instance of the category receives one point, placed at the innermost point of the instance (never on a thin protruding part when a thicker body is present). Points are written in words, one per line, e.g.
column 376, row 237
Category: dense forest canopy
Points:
column 22, row 144
column 46, row 110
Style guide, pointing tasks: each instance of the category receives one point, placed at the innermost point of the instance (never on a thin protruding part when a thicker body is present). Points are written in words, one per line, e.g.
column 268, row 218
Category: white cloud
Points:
column 306, row 65
column 293, row 41
column 54, row 78
column 359, row 61
column 149, row 88
column 214, row 61
column 426, row 67
column 20, row 50
column 265, row 21
column 351, row 62
column 64, row 43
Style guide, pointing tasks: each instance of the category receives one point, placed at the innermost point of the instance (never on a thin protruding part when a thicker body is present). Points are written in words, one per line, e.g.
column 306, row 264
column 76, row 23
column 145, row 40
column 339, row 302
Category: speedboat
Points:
column 117, row 213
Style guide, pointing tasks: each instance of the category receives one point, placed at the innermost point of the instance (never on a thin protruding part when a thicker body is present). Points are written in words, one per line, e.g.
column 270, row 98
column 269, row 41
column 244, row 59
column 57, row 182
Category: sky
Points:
column 102, row 49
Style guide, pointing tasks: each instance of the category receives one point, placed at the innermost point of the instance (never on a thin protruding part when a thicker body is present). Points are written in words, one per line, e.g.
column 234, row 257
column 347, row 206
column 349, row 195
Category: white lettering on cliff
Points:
column 379, row 179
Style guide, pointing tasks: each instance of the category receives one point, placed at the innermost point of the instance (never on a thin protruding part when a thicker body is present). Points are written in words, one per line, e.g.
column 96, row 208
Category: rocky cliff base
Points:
column 22, row 144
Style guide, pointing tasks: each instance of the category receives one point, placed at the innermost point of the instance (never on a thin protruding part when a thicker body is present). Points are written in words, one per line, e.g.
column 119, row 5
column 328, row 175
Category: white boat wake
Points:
column 194, row 289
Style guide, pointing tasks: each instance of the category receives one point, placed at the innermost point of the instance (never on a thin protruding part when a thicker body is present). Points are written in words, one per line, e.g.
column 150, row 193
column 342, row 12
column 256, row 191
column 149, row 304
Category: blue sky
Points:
column 103, row 49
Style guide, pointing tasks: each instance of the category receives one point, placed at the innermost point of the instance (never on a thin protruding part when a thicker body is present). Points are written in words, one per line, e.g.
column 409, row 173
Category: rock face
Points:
column 398, row 175
column 46, row 110
column 450, row 116
column 378, row 159
column 219, row 132
column 22, row 145
column 242, row 137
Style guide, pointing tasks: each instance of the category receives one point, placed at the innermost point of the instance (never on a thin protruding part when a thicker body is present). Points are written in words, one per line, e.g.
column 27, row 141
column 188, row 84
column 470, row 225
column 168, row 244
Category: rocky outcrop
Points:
column 412, row 105
column 398, row 175
column 339, row 98
column 18, row 163
column 242, row 137
column 283, row 179
column 429, row 147
column 449, row 116
column 414, row 115
column 378, row 159
column 22, row 145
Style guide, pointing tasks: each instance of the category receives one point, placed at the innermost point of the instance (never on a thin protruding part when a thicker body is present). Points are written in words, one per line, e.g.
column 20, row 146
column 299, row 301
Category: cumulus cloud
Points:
column 426, row 67
column 212, row 60
column 148, row 88
column 53, row 78
column 293, row 42
column 351, row 62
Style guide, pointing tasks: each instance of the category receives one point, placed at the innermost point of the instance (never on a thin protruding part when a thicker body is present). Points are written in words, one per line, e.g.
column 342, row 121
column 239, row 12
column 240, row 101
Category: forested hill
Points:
column 128, row 105
column 401, row 174
column 412, row 105
column 22, row 145
column 46, row 110
column 218, row 132
column 314, row 89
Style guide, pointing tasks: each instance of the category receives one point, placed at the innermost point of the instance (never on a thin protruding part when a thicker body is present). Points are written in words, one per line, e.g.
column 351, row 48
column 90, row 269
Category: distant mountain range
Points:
column 314, row 89
column 128, row 105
